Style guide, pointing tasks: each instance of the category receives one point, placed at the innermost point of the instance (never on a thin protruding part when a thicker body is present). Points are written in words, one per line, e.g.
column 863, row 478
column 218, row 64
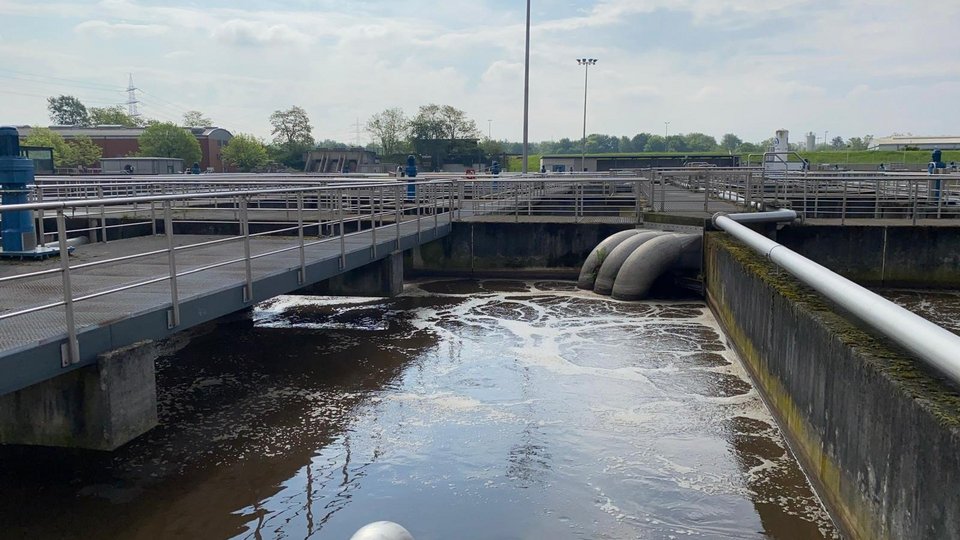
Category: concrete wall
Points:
column 882, row 256
column 99, row 407
column 381, row 278
column 510, row 249
column 877, row 432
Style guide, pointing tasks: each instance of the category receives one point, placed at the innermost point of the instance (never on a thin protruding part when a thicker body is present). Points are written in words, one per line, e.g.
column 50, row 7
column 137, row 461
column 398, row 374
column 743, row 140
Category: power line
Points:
column 74, row 82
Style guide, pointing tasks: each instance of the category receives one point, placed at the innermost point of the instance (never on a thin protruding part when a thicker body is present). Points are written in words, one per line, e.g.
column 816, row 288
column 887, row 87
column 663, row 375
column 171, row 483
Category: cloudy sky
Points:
column 748, row 66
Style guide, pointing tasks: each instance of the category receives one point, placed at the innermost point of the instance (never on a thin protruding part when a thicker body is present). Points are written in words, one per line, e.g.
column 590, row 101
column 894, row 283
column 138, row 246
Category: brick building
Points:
column 119, row 141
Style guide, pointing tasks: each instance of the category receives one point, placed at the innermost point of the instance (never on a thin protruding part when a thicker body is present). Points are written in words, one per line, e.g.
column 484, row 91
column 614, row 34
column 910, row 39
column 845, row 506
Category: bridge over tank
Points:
column 70, row 313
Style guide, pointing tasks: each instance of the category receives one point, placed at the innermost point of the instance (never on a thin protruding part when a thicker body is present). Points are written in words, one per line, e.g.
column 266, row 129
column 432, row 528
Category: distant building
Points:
column 141, row 165
column 354, row 160
column 120, row 141
column 608, row 162
column 898, row 142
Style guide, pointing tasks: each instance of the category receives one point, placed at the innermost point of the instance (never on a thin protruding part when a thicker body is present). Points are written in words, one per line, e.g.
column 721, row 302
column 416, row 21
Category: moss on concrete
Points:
column 904, row 371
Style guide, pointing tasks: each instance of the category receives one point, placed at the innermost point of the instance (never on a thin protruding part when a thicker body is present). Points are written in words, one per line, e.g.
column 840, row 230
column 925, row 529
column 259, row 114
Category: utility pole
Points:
column 526, row 95
column 132, row 102
column 586, row 63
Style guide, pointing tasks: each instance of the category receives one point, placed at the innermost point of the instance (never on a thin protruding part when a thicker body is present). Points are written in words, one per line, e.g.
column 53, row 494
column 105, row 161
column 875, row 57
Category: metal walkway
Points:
column 121, row 292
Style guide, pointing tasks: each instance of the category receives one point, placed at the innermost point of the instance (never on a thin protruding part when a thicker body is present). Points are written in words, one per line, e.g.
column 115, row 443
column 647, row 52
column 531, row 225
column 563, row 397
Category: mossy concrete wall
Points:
column 882, row 256
column 510, row 249
column 876, row 431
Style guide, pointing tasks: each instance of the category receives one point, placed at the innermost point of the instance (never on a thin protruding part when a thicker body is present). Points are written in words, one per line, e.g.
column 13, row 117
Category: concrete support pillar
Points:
column 98, row 407
column 380, row 278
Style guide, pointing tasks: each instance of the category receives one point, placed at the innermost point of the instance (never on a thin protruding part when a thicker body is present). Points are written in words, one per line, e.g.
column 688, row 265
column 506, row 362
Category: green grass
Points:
column 911, row 157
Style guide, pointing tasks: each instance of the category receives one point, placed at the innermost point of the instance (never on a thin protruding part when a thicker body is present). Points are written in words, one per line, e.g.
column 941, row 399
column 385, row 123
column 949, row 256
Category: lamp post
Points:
column 666, row 129
column 825, row 139
column 489, row 127
column 526, row 94
column 586, row 63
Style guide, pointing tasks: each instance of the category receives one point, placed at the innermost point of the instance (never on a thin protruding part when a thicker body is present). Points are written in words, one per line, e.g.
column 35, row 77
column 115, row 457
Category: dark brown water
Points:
column 463, row 410
column 940, row 307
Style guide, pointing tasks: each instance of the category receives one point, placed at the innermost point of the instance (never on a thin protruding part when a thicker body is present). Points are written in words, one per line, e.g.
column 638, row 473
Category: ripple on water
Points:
column 464, row 409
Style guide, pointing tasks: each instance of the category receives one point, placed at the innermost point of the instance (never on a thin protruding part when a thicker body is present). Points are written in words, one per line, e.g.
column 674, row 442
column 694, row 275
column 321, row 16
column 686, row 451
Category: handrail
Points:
column 82, row 203
column 934, row 345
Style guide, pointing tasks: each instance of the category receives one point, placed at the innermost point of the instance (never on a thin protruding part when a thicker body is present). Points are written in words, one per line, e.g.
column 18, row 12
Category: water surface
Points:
column 462, row 409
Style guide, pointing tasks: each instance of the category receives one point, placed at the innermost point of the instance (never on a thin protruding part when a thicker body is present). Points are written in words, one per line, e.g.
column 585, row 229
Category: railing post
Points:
column 343, row 246
column 43, row 236
column 319, row 214
column 748, row 192
column 399, row 211
column 70, row 351
column 302, row 277
column 916, row 189
column 416, row 197
column 173, row 317
column 706, row 192
column 373, row 226
column 843, row 208
column 245, row 232
column 103, row 216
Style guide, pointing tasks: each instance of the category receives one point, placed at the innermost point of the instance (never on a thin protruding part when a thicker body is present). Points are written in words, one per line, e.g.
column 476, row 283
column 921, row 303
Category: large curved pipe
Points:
column 649, row 262
column 933, row 344
column 611, row 265
column 591, row 266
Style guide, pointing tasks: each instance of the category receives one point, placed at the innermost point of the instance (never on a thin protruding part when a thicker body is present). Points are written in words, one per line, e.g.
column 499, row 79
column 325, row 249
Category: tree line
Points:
column 434, row 129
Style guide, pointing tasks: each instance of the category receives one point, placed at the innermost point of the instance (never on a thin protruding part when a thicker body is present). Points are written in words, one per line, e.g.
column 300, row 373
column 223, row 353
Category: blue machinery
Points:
column 411, row 172
column 16, row 175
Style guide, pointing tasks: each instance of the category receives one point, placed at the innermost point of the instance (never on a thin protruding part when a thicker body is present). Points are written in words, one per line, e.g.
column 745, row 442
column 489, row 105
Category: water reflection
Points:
column 463, row 409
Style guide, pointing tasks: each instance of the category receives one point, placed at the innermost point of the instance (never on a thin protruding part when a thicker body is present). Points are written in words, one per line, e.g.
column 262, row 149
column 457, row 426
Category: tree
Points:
column 625, row 145
column 457, row 124
column 428, row 123
column 491, row 149
column 700, row 142
column 676, row 143
column 655, row 143
column 167, row 139
column 858, row 143
column 67, row 111
column 836, row 143
column 291, row 128
column 113, row 116
column 730, row 142
column 640, row 141
column 748, row 148
column 196, row 119
column 245, row 152
column 390, row 128
column 83, row 151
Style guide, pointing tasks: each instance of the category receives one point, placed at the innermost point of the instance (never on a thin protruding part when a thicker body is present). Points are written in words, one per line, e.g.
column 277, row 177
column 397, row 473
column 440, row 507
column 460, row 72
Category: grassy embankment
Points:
column 918, row 158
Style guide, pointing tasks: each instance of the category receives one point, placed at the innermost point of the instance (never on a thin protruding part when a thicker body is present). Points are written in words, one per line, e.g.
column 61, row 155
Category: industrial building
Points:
column 343, row 160
column 909, row 142
column 141, row 165
column 121, row 141
column 608, row 162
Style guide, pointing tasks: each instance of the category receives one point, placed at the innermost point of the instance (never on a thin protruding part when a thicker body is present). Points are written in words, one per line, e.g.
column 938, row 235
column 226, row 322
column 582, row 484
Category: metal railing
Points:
column 855, row 195
column 308, row 216
column 572, row 199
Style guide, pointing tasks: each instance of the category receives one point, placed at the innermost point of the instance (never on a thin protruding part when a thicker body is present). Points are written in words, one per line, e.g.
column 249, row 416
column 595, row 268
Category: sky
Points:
column 749, row 67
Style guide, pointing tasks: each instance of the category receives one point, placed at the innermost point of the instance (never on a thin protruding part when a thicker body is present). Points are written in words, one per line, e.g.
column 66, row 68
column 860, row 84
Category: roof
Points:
column 117, row 132
column 910, row 139
column 138, row 158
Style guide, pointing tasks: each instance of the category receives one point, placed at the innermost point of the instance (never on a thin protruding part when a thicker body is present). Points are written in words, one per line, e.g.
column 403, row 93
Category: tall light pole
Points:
column 489, row 127
column 666, row 129
column 586, row 63
column 526, row 94
column 825, row 139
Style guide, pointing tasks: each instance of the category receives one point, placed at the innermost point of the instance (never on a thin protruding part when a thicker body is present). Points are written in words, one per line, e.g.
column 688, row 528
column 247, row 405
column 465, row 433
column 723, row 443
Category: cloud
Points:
column 104, row 29
column 256, row 33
